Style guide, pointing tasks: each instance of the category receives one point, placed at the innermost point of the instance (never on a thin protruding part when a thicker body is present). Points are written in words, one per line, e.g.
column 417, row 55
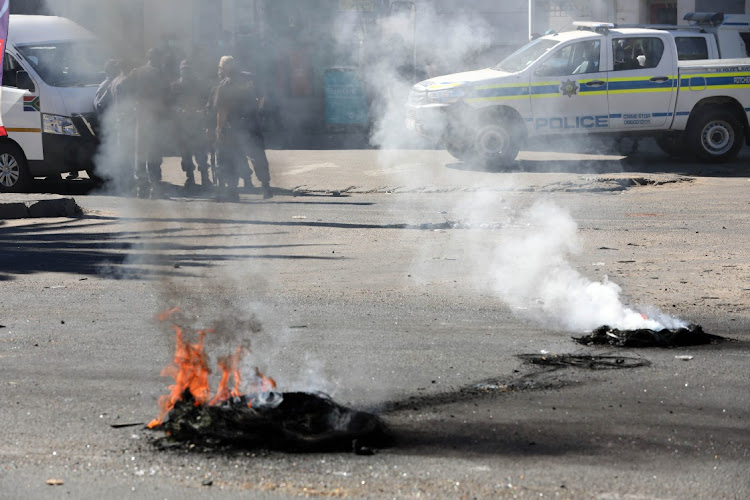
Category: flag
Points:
column 4, row 17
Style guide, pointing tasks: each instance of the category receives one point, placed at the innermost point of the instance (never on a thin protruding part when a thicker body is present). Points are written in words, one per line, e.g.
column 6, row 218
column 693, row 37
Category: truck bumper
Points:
column 427, row 121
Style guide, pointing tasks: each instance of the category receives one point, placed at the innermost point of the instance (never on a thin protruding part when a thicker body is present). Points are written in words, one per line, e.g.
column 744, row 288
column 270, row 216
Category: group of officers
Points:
column 222, row 123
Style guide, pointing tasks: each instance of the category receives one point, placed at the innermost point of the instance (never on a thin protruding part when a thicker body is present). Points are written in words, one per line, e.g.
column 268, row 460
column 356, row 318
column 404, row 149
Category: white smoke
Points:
column 533, row 275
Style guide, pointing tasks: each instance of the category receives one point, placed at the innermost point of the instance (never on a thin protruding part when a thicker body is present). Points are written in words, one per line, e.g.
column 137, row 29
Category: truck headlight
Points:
column 60, row 125
column 447, row 96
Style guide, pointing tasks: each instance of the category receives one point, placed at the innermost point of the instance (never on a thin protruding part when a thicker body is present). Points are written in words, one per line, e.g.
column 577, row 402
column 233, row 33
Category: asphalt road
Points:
column 373, row 278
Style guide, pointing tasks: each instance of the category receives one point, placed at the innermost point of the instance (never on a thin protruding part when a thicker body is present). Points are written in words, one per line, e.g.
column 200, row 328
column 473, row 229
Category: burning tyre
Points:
column 645, row 337
column 261, row 417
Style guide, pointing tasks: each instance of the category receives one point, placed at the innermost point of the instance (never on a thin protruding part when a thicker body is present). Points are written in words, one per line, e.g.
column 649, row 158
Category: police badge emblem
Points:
column 569, row 88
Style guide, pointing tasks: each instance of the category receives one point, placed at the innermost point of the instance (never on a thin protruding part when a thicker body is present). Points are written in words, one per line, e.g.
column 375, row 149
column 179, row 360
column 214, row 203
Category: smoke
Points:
column 220, row 291
column 533, row 275
column 531, row 269
column 415, row 44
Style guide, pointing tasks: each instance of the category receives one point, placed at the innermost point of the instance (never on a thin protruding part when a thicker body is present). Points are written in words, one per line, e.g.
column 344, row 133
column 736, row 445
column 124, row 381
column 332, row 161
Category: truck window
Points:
column 691, row 48
column 10, row 71
column 523, row 57
column 574, row 59
column 637, row 53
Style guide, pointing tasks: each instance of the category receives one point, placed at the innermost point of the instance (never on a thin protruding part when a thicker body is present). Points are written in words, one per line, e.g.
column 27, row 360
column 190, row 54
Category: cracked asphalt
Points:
column 369, row 273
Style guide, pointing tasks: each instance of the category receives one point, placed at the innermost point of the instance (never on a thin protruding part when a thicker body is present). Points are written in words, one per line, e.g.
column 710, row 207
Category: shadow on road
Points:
column 78, row 246
column 647, row 162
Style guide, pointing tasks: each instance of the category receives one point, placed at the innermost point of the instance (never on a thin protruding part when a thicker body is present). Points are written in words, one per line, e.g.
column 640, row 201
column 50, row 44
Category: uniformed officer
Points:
column 253, row 140
column 228, row 102
column 190, row 96
column 151, row 92
column 123, row 105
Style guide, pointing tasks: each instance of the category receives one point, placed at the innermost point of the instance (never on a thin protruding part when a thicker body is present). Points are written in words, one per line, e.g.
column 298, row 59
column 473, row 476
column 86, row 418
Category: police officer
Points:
column 190, row 97
column 123, row 106
column 151, row 91
column 104, row 97
column 228, row 102
column 253, row 140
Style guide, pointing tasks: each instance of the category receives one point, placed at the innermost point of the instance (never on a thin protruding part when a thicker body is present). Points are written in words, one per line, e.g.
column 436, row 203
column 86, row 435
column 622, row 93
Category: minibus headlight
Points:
column 60, row 125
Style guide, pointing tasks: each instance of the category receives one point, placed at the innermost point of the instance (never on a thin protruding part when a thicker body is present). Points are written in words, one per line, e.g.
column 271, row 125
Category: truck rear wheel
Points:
column 14, row 172
column 495, row 145
column 715, row 136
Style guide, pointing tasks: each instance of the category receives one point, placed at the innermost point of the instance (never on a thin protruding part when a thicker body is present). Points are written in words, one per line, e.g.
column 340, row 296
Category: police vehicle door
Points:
column 642, row 84
column 569, row 89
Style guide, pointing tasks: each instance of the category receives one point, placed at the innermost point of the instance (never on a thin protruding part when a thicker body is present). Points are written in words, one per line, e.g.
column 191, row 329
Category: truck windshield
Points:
column 526, row 55
column 66, row 64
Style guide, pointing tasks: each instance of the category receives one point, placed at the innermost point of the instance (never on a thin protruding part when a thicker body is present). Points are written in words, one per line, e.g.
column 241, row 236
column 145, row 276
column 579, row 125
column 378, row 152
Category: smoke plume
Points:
column 533, row 276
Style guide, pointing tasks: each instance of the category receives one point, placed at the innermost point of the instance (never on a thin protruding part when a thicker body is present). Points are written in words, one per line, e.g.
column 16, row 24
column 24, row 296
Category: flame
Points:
column 229, row 366
column 190, row 372
column 165, row 315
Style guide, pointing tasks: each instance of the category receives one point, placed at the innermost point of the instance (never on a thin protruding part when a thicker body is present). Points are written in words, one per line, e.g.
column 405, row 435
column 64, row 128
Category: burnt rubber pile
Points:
column 643, row 337
column 261, row 417
column 583, row 361
column 300, row 422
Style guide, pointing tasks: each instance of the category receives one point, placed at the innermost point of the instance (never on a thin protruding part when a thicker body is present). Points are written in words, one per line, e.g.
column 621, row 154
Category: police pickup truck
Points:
column 595, row 80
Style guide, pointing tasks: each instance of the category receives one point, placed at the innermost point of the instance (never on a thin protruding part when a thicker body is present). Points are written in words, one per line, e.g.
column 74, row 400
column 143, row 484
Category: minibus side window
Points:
column 11, row 67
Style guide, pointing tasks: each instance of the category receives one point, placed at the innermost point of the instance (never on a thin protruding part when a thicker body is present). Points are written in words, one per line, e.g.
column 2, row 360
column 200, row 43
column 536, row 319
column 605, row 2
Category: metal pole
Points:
column 531, row 18
column 414, row 42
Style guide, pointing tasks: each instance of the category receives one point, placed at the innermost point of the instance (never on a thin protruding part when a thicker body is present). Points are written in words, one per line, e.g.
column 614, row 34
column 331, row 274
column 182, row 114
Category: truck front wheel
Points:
column 495, row 145
column 715, row 136
column 14, row 173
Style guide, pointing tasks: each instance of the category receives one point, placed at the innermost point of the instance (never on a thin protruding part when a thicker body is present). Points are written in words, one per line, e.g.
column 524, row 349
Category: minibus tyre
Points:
column 14, row 170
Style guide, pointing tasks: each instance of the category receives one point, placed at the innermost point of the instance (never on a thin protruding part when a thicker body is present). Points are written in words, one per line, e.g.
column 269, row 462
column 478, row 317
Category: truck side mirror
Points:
column 24, row 81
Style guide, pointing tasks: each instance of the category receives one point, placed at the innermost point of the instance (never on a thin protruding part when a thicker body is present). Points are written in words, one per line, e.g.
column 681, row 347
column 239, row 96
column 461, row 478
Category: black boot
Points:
column 190, row 181
column 205, row 179
column 267, row 193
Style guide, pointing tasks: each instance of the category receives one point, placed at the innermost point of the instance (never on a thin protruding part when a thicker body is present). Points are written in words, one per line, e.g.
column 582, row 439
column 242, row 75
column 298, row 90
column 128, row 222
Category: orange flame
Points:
column 163, row 316
column 190, row 372
column 229, row 367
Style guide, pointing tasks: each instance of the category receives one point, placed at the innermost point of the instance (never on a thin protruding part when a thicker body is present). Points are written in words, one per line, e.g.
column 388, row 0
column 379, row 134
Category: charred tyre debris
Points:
column 301, row 422
column 690, row 335
column 591, row 362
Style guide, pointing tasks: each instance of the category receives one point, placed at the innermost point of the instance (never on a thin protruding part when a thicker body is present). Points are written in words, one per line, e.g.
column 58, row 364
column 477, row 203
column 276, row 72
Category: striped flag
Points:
column 4, row 13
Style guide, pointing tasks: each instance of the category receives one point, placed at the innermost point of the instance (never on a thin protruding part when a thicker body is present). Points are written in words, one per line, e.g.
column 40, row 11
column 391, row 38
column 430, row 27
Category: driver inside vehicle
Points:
column 590, row 63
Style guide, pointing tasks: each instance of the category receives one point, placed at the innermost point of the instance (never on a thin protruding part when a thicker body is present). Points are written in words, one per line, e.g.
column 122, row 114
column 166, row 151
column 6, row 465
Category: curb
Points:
column 61, row 207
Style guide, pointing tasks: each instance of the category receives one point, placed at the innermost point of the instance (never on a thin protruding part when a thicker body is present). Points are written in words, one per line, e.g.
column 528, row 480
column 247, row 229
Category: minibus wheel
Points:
column 14, row 171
